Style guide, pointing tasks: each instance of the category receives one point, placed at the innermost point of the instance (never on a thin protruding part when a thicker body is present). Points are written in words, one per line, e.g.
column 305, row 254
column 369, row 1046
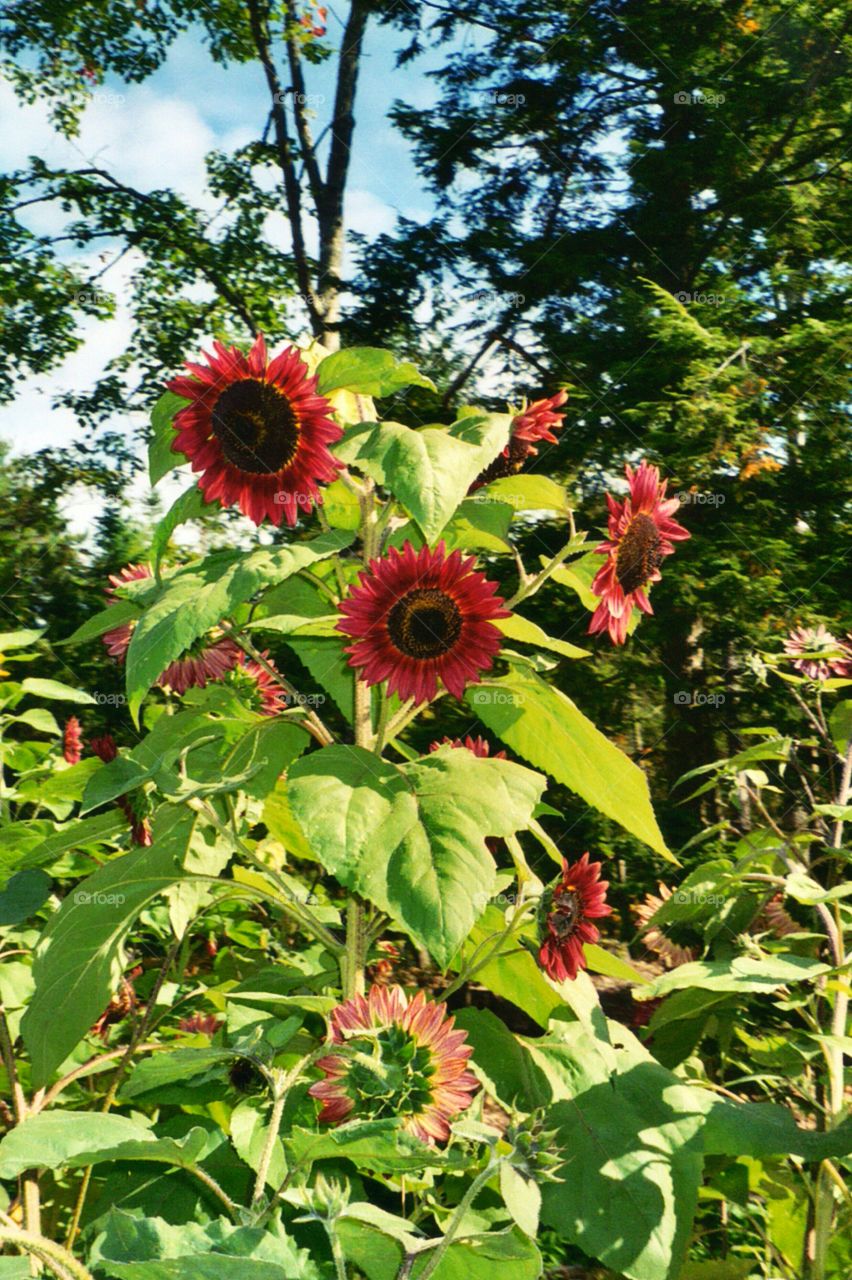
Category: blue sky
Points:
column 156, row 134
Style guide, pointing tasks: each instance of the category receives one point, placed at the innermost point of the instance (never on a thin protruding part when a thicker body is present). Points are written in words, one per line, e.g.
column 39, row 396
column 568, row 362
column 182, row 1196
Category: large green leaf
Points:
column 631, row 1141
column 378, row 1145
column 73, row 1139
column 526, row 493
column 44, row 848
column 368, row 371
column 743, row 973
column 56, row 691
column 80, row 959
column 763, row 1129
column 188, row 506
column 377, row 1243
column 545, row 727
column 412, row 837
column 430, row 469
column 197, row 598
column 133, row 1246
column 522, row 629
column 161, row 458
column 104, row 620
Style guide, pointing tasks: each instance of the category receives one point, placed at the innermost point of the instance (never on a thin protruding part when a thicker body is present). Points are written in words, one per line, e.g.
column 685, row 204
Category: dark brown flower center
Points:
column 425, row 623
column 256, row 426
column 565, row 913
column 639, row 554
column 507, row 463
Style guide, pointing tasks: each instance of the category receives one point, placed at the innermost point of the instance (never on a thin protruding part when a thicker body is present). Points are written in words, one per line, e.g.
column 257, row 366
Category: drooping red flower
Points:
column 671, row 953
column 478, row 745
column 421, row 617
column 641, row 534
column 209, row 658
column 257, row 431
column 135, row 806
column 72, row 743
column 400, row 1058
column 536, row 422
column 825, row 652
column 567, row 908
column 257, row 687
column 117, row 641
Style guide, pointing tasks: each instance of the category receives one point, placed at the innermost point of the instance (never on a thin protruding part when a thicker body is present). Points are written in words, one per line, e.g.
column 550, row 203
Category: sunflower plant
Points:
column 249, row 1043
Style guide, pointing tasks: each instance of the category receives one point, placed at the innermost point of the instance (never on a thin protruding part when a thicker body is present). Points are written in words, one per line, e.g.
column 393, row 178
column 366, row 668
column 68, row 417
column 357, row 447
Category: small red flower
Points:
column 257, row 431
column 537, row 422
column 418, row 618
column 72, row 743
column 398, row 1057
column 641, row 534
column 565, row 914
column 206, row 1024
column 479, row 746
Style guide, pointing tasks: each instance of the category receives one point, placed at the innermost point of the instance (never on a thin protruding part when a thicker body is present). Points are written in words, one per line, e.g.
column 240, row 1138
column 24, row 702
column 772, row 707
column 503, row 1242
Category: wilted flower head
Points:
column 654, row 939
column 480, row 747
column 565, row 913
column 257, row 686
column 816, row 642
column 641, row 533
column 399, row 1058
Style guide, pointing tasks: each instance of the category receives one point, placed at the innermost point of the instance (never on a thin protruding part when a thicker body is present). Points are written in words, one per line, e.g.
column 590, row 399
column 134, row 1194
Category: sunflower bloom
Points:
column 641, row 533
column 536, row 422
column 257, row 431
column 565, row 914
column 420, row 617
column 826, row 654
column 402, row 1058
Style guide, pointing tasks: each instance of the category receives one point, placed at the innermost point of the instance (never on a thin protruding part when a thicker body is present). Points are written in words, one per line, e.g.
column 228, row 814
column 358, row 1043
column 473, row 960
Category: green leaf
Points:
column 56, row 691
column 325, row 659
column 23, row 895
column 526, row 493
column 105, row 620
column 631, row 1141
column 479, row 526
column 839, row 722
column 18, row 639
column 197, row 598
column 161, row 458
column 80, row 959
column 377, row 1247
column 522, row 1198
column 188, row 506
column 521, row 629
column 62, row 788
column 514, row 975
column 545, row 727
column 57, row 1139
column 611, row 966
column 761, row 1129
column 411, row 838
column 141, row 1247
column 40, row 719
column 428, row 470
column 111, row 781
column 378, row 1145
column 340, row 506
column 38, row 852
column 743, row 973
column 368, row 371
column 181, row 1065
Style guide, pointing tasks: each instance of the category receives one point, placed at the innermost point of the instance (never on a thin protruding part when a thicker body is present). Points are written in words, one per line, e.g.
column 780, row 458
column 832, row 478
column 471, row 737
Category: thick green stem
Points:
column 455, row 1222
column 532, row 585
column 279, row 1098
column 61, row 1262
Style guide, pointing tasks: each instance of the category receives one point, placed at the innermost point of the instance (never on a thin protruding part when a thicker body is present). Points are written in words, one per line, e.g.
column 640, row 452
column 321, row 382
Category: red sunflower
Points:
column 565, row 914
column 479, row 746
column 537, row 422
column 260, row 689
column 401, row 1058
column 641, row 534
column 421, row 617
column 257, row 431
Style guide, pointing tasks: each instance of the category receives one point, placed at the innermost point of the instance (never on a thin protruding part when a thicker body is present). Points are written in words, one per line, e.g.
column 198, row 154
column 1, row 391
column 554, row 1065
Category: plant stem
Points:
column 352, row 962
column 61, row 1262
column 455, row 1222
column 532, row 584
column 278, row 1100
